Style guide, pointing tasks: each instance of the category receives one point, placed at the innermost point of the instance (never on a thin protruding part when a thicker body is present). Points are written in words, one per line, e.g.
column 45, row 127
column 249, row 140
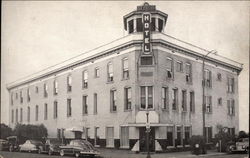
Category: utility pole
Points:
column 147, row 133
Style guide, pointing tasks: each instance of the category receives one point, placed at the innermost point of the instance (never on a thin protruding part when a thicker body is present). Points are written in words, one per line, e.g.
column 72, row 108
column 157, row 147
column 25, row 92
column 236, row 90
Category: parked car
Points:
column 4, row 145
column 13, row 143
column 241, row 145
column 78, row 148
column 30, row 146
column 51, row 146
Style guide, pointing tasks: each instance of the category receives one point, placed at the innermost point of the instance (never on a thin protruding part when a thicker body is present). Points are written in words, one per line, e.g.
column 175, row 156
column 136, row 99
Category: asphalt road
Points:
column 6, row 154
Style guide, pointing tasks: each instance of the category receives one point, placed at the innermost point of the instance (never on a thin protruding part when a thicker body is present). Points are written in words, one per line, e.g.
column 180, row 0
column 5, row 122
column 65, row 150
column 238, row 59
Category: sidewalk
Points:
column 112, row 153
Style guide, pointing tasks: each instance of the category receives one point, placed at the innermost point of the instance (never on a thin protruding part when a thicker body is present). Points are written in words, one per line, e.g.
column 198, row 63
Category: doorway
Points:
column 143, row 139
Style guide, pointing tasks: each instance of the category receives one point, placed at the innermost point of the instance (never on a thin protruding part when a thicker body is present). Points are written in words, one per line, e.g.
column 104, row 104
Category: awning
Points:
column 75, row 129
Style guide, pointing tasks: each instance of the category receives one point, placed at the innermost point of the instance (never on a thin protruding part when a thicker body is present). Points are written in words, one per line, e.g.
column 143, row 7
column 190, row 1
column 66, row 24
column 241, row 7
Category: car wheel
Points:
column 50, row 152
column 77, row 154
column 62, row 152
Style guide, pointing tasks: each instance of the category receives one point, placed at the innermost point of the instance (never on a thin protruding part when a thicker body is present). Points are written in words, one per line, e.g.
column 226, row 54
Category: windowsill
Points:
column 110, row 146
column 179, row 146
column 170, row 147
column 127, row 110
column 124, row 147
column 83, row 88
column 140, row 109
column 187, row 145
column 110, row 82
column 147, row 65
column 166, row 110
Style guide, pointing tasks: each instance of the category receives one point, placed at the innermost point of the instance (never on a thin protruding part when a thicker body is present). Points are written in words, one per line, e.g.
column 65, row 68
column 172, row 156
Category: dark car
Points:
column 78, row 148
column 14, row 142
column 241, row 145
column 30, row 146
column 51, row 146
column 4, row 145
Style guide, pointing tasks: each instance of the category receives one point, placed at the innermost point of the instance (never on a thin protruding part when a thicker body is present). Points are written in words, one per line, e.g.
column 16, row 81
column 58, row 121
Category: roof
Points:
column 123, row 42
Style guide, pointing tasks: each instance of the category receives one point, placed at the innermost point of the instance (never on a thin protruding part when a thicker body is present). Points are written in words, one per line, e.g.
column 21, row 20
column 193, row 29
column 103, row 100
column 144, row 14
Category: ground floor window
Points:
column 87, row 137
column 170, row 136
column 208, row 134
column 97, row 137
column 179, row 136
column 110, row 137
column 187, row 135
column 124, row 140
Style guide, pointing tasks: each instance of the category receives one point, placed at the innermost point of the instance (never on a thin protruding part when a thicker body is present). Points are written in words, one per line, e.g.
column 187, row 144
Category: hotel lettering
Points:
column 146, row 34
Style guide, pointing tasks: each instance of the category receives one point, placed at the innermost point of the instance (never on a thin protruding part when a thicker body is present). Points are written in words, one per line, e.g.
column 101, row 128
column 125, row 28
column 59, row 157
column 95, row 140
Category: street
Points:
column 5, row 154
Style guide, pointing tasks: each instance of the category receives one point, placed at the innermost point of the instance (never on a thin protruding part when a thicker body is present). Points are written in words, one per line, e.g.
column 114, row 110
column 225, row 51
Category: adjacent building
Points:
column 104, row 95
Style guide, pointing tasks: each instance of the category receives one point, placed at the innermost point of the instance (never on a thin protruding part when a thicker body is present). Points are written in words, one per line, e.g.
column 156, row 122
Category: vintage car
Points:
column 14, row 142
column 4, row 145
column 78, row 148
column 51, row 146
column 30, row 146
column 241, row 145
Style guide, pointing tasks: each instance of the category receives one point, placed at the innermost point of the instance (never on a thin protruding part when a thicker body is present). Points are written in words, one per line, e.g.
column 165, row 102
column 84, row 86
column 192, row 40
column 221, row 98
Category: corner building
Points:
column 104, row 95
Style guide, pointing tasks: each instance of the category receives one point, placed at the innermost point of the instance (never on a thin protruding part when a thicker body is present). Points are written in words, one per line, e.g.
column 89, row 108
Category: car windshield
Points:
column 35, row 142
column 90, row 146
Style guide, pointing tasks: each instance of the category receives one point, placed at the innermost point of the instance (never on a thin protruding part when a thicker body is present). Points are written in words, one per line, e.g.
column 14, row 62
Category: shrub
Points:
column 5, row 131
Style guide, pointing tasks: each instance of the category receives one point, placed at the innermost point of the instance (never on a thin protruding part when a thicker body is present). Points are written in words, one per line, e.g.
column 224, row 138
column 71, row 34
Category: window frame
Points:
column 113, row 100
column 127, row 100
column 147, row 97
column 84, row 79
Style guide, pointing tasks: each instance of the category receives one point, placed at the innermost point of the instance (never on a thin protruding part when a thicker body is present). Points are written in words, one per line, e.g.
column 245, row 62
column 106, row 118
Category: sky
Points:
column 39, row 34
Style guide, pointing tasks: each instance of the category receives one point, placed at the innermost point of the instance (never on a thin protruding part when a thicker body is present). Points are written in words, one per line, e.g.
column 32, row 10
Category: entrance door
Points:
column 143, row 139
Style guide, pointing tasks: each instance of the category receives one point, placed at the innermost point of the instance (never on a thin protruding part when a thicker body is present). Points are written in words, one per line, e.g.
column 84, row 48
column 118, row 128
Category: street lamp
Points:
column 147, row 134
column 203, row 90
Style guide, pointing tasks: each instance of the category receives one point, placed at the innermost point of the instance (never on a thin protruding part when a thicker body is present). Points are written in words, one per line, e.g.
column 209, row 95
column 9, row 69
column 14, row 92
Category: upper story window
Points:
column 220, row 101
column 208, row 78
column 192, row 102
column 16, row 96
column 37, row 112
column 170, row 68
column 55, row 87
column 45, row 87
column 84, row 105
column 128, row 98
column 69, row 108
column 95, row 103
column 85, row 79
column 164, row 98
column 230, row 85
column 55, row 109
column 175, row 99
column 231, row 107
column 219, row 76
column 152, row 24
column 125, row 68
column 16, row 115
column 188, row 73
column 146, row 97
column 12, row 116
column 45, row 111
column 208, row 103
column 147, row 60
column 179, row 66
column 69, row 83
column 113, row 101
column 21, row 97
column 97, row 72
column 28, row 95
column 37, row 90
column 11, row 99
column 184, row 100
column 28, row 114
column 131, row 26
column 160, row 25
column 110, row 72
column 139, row 27
column 21, row 115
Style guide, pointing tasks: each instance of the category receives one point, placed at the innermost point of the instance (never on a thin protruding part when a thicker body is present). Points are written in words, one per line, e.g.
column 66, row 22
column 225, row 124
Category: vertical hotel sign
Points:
column 146, row 34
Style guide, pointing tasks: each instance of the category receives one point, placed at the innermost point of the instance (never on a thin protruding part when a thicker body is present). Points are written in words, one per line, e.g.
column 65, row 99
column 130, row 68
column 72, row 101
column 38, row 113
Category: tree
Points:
column 5, row 131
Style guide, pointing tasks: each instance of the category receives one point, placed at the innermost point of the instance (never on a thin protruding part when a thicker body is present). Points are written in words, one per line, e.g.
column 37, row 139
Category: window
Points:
column 110, row 137
column 170, row 68
column 37, row 90
column 124, row 140
column 97, row 72
column 192, row 102
column 11, row 99
column 179, row 66
column 231, row 107
column 230, row 85
column 45, row 111
column 58, row 133
column 55, row 87
column 125, row 68
column 164, row 98
column 36, row 112
column 110, row 72
column 187, row 135
column 208, row 134
column 69, row 83
column 219, row 76
column 113, row 105
column 175, row 99
column 208, row 103
column 146, row 97
column 16, row 96
column 139, row 27
column 55, row 109
column 16, row 115
column 128, row 98
column 12, row 116
column 188, row 73
column 28, row 114
column 160, row 25
column 21, row 97
column 179, row 136
column 69, row 108
column 97, row 137
column 85, row 79
column 147, row 60
column 131, row 26
column 170, row 136
column 231, row 131
column 21, row 115
column 208, row 78
column 28, row 95
column 45, row 88
column 184, row 100
column 95, row 103
column 87, row 137
column 84, row 105
column 152, row 24
column 219, row 101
